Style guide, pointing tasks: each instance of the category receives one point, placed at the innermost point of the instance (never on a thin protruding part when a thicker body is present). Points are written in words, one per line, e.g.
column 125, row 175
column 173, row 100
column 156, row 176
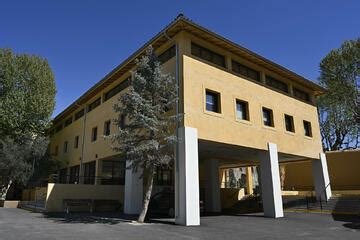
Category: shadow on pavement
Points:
column 351, row 221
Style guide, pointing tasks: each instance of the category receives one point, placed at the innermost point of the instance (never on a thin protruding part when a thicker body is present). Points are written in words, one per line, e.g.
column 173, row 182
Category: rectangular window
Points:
column 301, row 94
column 56, row 150
column 289, row 123
column 122, row 121
column 118, row 88
column 76, row 142
column 242, row 110
column 272, row 82
column 268, row 117
column 65, row 147
column 94, row 104
column 107, row 125
column 307, row 129
column 245, row 71
column 167, row 55
column 113, row 172
column 164, row 177
column 207, row 55
column 94, row 134
column 63, row 176
column 213, row 101
column 89, row 173
column 68, row 121
column 74, row 175
column 79, row 114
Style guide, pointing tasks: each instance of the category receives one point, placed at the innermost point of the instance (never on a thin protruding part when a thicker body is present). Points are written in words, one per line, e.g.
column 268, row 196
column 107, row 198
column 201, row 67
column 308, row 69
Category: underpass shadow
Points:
column 351, row 221
column 351, row 205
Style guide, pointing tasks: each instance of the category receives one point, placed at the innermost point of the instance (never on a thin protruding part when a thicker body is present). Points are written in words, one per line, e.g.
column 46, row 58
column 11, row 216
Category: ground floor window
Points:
column 63, row 175
column 74, row 174
column 164, row 177
column 89, row 172
column 113, row 172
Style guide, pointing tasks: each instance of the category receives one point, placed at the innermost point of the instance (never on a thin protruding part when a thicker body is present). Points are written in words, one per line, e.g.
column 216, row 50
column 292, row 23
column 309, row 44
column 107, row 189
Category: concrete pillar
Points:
column 187, row 210
column 133, row 196
column 321, row 178
column 212, row 186
column 249, row 181
column 270, row 182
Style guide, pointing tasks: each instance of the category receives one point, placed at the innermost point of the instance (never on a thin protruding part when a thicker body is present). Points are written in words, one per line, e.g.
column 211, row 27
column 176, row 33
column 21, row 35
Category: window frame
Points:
column 217, row 95
column 211, row 55
column 247, row 112
column 308, row 124
column 272, row 123
column 94, row 134
column 76, row 142
column 66, row 146
column 287, row 116
column 107, row 128
column 275, row 84
column 247, row 75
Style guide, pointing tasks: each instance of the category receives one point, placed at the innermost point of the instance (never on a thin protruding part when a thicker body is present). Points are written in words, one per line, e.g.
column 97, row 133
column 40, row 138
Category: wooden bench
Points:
column 68, row 203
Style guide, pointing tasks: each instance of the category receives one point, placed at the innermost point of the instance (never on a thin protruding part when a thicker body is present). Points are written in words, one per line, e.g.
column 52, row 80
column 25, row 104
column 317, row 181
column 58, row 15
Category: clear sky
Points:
column 85, row 40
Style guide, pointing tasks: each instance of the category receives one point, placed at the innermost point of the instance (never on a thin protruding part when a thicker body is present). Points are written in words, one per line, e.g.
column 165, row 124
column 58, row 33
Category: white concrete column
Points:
column 321, row 178
column 212, row 186
column 133, row 194
column 270, row 183
column 187, row 211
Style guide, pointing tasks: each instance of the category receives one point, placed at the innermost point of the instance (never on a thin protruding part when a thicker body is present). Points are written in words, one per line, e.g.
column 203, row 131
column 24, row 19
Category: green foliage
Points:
column 148, row 137
column 27, row 99
column 339, row 109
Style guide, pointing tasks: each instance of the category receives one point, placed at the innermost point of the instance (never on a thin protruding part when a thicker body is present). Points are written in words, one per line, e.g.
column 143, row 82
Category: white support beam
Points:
column 187, row 210
column 321, row 178
column 133, row 195
column 212, row 186
column 270, row 182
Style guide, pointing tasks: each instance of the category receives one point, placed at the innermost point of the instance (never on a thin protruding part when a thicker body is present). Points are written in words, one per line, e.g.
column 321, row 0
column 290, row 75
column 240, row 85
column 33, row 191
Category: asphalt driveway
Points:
column 20, row 224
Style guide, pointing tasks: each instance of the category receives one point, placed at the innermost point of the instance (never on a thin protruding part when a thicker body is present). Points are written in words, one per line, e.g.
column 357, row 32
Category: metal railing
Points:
column 71, row 179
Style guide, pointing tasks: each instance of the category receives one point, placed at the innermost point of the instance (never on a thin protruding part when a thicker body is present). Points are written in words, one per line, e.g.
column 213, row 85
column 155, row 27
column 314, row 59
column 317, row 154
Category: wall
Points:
column 200, row 75
column 343, row 167
column 56, row 193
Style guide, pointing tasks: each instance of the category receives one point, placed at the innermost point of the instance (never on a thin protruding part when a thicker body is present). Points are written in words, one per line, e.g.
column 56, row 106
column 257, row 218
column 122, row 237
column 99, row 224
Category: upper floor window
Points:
column 122, row 121
column 68, row 121
column 118, row 88
column 107, row 125
column 207, row 55
column 79, row 114
column 213, row 101
column 94, row 134
column 242, row 110
column 268, row 117
column 167, row 55
column 94, row 104
column 307, row 129
column 245, row 71
column 76, row 142
column 65, row 146
column 272, row 82
column 301, row 94
column 289, row 123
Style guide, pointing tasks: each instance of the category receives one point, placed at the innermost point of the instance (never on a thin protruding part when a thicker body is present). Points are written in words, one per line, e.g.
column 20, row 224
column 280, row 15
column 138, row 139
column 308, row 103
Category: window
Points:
column 63, row 176
column 68, row 121
column 213, row 101
column 164, row 177
column 289, row 123
column 94, row 104
column 74, row 174
column 301, row 94
column 58, row 128
column 89, row 173
column 268, row 117
column 118, row 88
column 113, row 172
column 245, row 71
column 65, row 147
column 94, row 134
column 242, row 110
column 307, row 129
column 167, row 55
column 122, row 121
column 79, row 114
column 76, row 142
column 107, row 128
column 272, row 82
column 56, row 150
column 207, row 55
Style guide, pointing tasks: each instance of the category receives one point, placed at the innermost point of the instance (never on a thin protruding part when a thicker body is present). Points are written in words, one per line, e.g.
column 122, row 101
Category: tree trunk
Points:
column 5, row 189
column 148, row 191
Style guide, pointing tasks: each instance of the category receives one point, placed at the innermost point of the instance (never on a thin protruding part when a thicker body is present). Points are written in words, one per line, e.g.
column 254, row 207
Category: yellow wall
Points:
column 343, row 166
column 56, row 194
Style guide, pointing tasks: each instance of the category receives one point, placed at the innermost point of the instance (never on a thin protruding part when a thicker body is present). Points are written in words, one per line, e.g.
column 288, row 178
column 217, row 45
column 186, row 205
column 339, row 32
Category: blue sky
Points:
column 84, row 40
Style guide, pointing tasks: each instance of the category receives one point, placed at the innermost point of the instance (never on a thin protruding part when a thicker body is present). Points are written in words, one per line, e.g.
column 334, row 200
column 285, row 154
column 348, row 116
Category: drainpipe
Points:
column 81, row 179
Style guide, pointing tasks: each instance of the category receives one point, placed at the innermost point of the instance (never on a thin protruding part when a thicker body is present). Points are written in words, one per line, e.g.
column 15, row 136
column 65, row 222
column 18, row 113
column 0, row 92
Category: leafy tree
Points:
column 147, row 139
column 339, row 108
column 27, row 99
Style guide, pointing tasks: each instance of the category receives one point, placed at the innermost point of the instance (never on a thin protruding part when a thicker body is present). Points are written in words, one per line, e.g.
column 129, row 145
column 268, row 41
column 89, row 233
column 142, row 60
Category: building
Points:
column 239, row 108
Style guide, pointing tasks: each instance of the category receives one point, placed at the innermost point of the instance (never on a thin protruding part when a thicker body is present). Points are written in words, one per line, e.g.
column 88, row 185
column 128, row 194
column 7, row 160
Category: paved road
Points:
column 20, row 224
